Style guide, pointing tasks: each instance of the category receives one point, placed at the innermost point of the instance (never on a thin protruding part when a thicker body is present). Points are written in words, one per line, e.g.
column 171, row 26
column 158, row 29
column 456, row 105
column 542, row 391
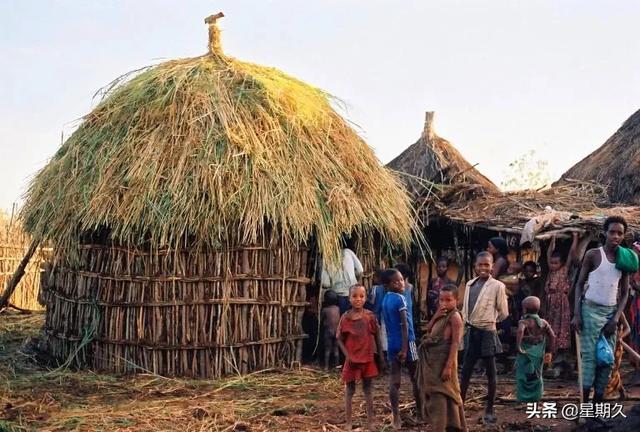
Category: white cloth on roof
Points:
column 341, row 279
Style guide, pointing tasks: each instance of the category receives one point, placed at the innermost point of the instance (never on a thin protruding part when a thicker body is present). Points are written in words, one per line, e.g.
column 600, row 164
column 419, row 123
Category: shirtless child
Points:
column 535, row 336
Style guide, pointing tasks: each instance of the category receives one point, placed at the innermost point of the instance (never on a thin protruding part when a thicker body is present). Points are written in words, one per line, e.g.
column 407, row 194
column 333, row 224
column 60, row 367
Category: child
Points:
column 374, row 304
column 438, row 369
column 484, row 304
column 358, row 339
column 530, row 282
column 401, row 345
column 531, row 341
column 615, row 382
column 330, row 318
column 557, row 310
column 442, row 267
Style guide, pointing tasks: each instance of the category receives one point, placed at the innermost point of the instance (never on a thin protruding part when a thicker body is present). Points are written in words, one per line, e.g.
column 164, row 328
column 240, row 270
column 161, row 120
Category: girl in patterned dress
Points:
column 557, row 310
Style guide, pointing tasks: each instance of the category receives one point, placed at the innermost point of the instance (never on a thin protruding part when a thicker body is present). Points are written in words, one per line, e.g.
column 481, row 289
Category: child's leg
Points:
column 395, row 375
column 350, row 390
column 490, row 365
column 412, row 366
column 336, row 352
column 368, row 397
column 467, row 370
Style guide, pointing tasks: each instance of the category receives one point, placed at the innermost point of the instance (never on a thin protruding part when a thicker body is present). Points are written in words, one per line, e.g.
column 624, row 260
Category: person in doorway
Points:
column 435, row 285
column 598, row 310
column 499, row 250
column 330, row 317
column 484, row 304
column 341, row 277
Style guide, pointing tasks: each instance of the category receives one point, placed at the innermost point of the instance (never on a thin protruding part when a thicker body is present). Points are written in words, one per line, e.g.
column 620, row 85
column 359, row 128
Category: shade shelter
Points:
column 187, row 213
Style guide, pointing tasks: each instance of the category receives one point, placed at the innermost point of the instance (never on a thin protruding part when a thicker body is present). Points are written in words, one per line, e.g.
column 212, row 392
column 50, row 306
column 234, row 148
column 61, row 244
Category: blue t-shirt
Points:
column 392, row 305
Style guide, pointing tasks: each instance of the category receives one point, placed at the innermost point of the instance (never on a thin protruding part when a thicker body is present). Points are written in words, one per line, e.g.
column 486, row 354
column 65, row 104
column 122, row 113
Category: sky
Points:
column 504, row 77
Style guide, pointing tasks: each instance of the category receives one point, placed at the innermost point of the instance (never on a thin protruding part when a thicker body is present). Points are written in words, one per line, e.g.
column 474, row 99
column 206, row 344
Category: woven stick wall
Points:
column 14, row 242
column 192, row 314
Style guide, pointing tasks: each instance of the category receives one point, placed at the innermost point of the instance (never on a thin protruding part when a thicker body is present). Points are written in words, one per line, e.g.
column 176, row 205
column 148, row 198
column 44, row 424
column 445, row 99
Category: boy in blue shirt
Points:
column 401, row 342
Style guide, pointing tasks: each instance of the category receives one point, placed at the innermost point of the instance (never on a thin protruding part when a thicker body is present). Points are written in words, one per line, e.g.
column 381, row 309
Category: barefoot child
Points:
column 330, row 318
column 615, row 387
column 358, row 339
column 557, row 310
column 401, row 342
column 438, row 368
column 484, row 304
column 534, row 337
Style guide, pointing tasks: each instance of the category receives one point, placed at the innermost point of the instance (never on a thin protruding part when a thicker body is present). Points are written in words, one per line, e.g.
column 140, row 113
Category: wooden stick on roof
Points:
column 214, row 33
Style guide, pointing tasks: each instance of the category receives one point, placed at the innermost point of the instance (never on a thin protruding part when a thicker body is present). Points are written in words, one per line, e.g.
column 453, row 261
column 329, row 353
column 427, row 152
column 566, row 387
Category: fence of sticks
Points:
column 14, row 242
column 184, row 313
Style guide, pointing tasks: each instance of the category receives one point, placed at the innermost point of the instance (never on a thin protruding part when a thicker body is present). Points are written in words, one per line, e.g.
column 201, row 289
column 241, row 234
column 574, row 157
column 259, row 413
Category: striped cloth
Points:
column 594, row 318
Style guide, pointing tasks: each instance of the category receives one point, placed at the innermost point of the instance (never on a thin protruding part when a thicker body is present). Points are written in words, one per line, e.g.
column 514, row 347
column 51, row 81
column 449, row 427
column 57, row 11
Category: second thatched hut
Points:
column 188, row 210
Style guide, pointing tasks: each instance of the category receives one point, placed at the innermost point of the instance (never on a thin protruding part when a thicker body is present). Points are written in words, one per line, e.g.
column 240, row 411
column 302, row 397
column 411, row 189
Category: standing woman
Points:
column 498, row 248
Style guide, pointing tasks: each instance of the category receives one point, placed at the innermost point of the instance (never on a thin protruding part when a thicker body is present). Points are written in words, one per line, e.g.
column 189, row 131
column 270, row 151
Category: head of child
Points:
column 483, row 265
column 357, row 297
column 442, row 267
column 531, row 305
column 515, row 268
column 392, row 280
column 405, row 271
column 497, row 246
column 529, row 270
column 448, row 299
column 556, row 261
column 330, row 298
column 615, row 227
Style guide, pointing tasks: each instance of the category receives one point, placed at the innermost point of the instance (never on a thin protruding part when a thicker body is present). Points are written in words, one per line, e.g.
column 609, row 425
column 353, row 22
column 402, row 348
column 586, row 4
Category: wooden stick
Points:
column 579, row 361
column 630, row 350
column 17, row 275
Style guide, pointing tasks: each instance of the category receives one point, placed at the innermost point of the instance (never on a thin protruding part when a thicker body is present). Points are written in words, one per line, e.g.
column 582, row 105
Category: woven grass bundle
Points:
column 185, row 212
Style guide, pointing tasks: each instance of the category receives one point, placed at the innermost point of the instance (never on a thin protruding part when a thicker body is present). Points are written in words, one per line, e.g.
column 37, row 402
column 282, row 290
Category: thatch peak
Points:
column 215, row 46
column 435, row 160
column 212, row 151
column 614, row 165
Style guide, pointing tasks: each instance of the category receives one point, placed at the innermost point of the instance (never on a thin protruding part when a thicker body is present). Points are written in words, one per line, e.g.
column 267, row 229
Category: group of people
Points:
column 375, row 330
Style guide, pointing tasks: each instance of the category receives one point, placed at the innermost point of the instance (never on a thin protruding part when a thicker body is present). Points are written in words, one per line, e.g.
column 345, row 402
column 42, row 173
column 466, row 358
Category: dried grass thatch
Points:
column 615, row 164
column 201, row 149
column 186, row 214
column 509, row 211
column 433, row 159
column 14, row 242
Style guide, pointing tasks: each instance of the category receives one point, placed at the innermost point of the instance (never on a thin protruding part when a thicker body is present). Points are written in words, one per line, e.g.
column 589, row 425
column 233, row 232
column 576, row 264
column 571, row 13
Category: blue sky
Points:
column 504, row 77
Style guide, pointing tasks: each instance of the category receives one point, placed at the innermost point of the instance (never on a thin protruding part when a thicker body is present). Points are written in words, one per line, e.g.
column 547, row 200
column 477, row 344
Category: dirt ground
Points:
column 33, row 397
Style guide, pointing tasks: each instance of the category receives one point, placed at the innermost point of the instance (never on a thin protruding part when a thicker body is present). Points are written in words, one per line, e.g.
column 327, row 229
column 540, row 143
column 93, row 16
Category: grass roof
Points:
column 615, row 164
column 433, row 159
column 213, row 148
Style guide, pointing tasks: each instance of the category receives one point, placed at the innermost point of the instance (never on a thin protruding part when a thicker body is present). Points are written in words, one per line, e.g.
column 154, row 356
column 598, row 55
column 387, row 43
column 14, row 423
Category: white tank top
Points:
column 603, row 282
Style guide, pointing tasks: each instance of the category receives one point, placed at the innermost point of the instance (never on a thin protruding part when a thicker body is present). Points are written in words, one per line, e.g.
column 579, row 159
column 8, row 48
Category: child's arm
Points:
column 551, row 335
column 404, row 326
column 339, row 337
column 625, row 325
column 383, row 362
column 519, row 336
column 456, row 334
column 552, row 247
column 573, row 252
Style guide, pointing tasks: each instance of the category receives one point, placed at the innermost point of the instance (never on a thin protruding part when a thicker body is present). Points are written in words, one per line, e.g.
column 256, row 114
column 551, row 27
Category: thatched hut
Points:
column 433, row 159
column 187, row 212
column 14, row 242
column 615, row 165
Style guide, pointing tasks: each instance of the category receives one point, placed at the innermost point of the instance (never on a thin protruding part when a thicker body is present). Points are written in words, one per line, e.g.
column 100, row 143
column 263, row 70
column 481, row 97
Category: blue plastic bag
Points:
column 604, row 353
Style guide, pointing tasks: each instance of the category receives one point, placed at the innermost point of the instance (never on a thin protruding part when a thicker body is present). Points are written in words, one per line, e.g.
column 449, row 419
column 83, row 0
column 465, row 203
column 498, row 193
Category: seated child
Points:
column 615, row 381
column 557, row 310
column 533, row 335
column 401, row 345
column 330, row 317
column 442, row 267
column 358, row 338
column 438, row 368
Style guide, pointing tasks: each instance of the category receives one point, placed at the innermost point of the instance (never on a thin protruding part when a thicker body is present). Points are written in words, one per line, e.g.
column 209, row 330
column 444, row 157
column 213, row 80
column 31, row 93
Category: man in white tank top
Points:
column 598, row 309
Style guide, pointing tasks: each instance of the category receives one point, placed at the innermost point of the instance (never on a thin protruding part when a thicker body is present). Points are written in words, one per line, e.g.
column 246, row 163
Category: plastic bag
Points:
column 604, row 353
